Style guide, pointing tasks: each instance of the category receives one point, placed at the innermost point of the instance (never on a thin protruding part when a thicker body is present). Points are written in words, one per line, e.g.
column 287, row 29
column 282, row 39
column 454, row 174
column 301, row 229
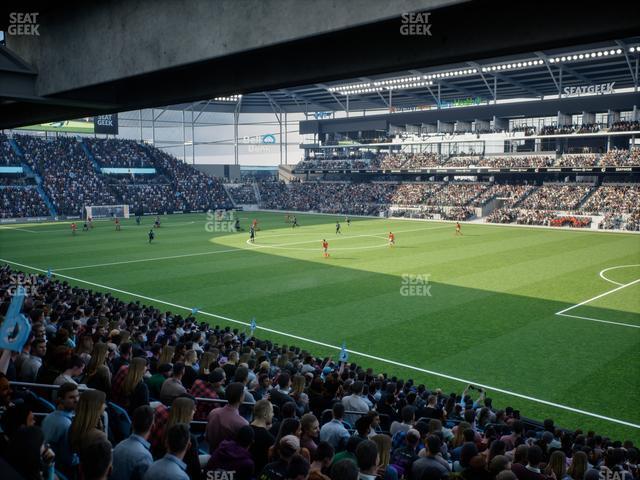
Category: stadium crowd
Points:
column 242, row 194
column 18, row 202
column 614, row 199
column 8, row 156
column 148, row 394
column 69, row 179
column 406, row 160
column 118, row 153
column 556, row 197
column 71, row 182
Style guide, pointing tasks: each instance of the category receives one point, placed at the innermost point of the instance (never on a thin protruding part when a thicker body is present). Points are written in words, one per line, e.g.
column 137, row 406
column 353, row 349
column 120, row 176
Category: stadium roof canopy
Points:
column 536, row 74
column 91, row 58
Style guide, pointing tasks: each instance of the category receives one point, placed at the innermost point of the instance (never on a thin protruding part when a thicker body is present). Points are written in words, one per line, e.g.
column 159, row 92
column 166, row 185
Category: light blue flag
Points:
column 253, row 325
column 15, row 329
column 344, row 355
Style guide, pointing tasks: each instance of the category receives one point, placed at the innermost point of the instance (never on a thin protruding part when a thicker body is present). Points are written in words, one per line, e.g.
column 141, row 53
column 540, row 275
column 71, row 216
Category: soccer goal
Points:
column 107, row 211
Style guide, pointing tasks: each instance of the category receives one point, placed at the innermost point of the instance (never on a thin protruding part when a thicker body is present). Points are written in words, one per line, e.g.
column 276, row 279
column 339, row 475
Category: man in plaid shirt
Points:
column 206, row 389
column 156, row 435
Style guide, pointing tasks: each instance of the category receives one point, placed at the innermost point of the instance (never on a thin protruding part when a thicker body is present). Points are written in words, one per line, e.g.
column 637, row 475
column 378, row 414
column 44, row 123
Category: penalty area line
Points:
column 335, row 347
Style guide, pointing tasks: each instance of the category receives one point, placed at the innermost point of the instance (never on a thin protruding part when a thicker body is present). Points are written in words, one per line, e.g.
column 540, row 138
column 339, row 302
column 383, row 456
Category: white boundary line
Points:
column 614, row 268
column 620, row 287
column 5, row 227
column 334, row 347
column 608, row 292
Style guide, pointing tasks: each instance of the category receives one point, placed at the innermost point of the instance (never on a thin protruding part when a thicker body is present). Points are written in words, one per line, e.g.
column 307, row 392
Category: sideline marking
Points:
column 620, row 287
column 334, row 347
column 614, row 268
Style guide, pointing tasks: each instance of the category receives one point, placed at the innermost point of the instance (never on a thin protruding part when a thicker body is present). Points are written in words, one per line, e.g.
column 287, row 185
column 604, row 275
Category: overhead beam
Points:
column 348, row 51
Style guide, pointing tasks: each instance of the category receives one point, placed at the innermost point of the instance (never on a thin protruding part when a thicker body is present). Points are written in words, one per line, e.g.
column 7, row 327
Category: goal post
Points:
column 106, row 211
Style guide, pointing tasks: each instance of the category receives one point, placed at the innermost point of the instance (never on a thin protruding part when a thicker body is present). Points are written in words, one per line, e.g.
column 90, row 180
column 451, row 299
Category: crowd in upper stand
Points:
column 112, row 152
column 8, row 156
column 69, row 179
column 242, row 194
column 150, row 410
column 408, row 160
column 21, row 202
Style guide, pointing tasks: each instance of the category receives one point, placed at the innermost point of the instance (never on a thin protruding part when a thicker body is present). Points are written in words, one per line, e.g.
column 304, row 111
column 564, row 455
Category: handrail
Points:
column 197, row 399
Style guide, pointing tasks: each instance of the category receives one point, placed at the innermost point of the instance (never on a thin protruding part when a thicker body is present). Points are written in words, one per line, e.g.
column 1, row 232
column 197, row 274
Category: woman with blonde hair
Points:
column 263, row 440
column 97, row 374
column 135, row 391
column 166, row 356
column 458, row 436
column 205, row 362
column 557, row 465
column 190, row 369
column 579, row 466
column 87, row 426
column 84, row 348
column 385, row 471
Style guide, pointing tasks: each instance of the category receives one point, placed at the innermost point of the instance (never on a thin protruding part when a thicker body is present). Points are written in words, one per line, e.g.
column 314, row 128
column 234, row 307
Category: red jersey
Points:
column 392, row 236
column 117, row 221
column 325, row 245
column 73, row 226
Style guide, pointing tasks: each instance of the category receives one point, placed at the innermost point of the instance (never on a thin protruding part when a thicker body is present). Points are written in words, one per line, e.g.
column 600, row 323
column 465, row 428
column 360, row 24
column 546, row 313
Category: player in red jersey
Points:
column 117, row 224
column 74, row 227
column 325, row 248
column 255, row 224
column 392, row 239
column 458, row 232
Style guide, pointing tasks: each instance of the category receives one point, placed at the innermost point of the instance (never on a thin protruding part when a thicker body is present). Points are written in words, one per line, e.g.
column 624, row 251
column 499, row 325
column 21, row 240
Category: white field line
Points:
column 608, row 292
column 598, row 320
column 16, row 228
column 614, row 268
column 335, row 347
column 620, row 287
column 8, row 227
column 170, row 257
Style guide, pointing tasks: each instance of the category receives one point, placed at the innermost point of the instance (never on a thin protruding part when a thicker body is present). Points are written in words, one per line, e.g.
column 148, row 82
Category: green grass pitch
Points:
column 488, row 313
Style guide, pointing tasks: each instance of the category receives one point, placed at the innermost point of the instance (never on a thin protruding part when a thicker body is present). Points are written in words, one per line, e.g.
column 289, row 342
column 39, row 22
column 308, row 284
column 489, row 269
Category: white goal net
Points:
column 107, row 211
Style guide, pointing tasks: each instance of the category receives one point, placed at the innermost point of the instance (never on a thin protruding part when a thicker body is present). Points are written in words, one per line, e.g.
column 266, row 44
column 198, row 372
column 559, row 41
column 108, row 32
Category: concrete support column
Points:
column 482, row 125
column 563, row 119
column 445, row 127
column 500, row 123
column 588, row 117
column 613, row 116
column 462, row 127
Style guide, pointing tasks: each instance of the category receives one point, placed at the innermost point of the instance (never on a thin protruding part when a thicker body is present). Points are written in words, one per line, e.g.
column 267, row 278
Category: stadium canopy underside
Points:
column 299, row 56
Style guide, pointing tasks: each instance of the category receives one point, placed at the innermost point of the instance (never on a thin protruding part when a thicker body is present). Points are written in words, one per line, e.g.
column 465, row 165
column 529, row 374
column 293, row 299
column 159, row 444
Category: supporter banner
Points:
column 128, row 171
column 10, row 169
column 106, row 124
